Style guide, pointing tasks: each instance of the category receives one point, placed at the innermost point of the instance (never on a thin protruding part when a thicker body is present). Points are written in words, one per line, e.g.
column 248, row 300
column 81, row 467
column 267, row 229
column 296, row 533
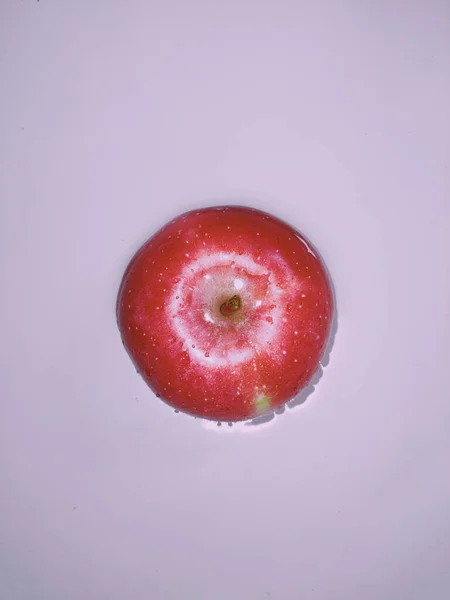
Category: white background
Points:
column 115, row 116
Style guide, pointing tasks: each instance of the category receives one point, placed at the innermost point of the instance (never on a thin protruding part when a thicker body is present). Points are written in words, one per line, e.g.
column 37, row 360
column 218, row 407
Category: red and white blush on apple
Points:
column 226, row 312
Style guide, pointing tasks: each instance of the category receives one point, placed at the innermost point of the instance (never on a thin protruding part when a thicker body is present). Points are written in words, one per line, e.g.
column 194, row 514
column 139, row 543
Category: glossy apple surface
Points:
column 226, row 312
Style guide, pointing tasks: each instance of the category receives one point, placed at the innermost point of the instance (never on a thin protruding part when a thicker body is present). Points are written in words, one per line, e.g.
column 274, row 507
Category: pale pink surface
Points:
column 116, row 117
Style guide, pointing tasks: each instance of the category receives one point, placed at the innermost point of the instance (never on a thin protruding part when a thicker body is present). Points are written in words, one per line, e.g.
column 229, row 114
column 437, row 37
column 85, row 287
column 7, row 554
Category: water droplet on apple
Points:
column 219, row 424
column 176, row 411
column 207, row 354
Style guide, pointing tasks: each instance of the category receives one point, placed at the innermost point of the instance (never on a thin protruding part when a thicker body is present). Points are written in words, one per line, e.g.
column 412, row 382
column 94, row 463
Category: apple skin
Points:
column 214, row 362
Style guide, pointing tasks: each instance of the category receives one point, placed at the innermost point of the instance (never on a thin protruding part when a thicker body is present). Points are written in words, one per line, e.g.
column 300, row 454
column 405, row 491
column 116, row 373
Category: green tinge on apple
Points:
column 262, row 403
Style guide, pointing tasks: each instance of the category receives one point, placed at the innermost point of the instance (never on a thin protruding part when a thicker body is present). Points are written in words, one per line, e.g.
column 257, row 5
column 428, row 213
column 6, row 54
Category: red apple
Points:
column 226, row 312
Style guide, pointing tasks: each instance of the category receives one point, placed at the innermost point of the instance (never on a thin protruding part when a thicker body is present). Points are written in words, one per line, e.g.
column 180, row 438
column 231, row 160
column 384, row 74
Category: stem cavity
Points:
column 231, row 306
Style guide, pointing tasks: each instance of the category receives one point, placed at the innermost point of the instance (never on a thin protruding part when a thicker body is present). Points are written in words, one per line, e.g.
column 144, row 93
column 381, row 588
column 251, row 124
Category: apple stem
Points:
column 231, row 306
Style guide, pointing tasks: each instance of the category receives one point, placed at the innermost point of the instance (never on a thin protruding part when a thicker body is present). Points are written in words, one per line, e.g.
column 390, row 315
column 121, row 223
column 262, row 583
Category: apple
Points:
column 226, row 312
